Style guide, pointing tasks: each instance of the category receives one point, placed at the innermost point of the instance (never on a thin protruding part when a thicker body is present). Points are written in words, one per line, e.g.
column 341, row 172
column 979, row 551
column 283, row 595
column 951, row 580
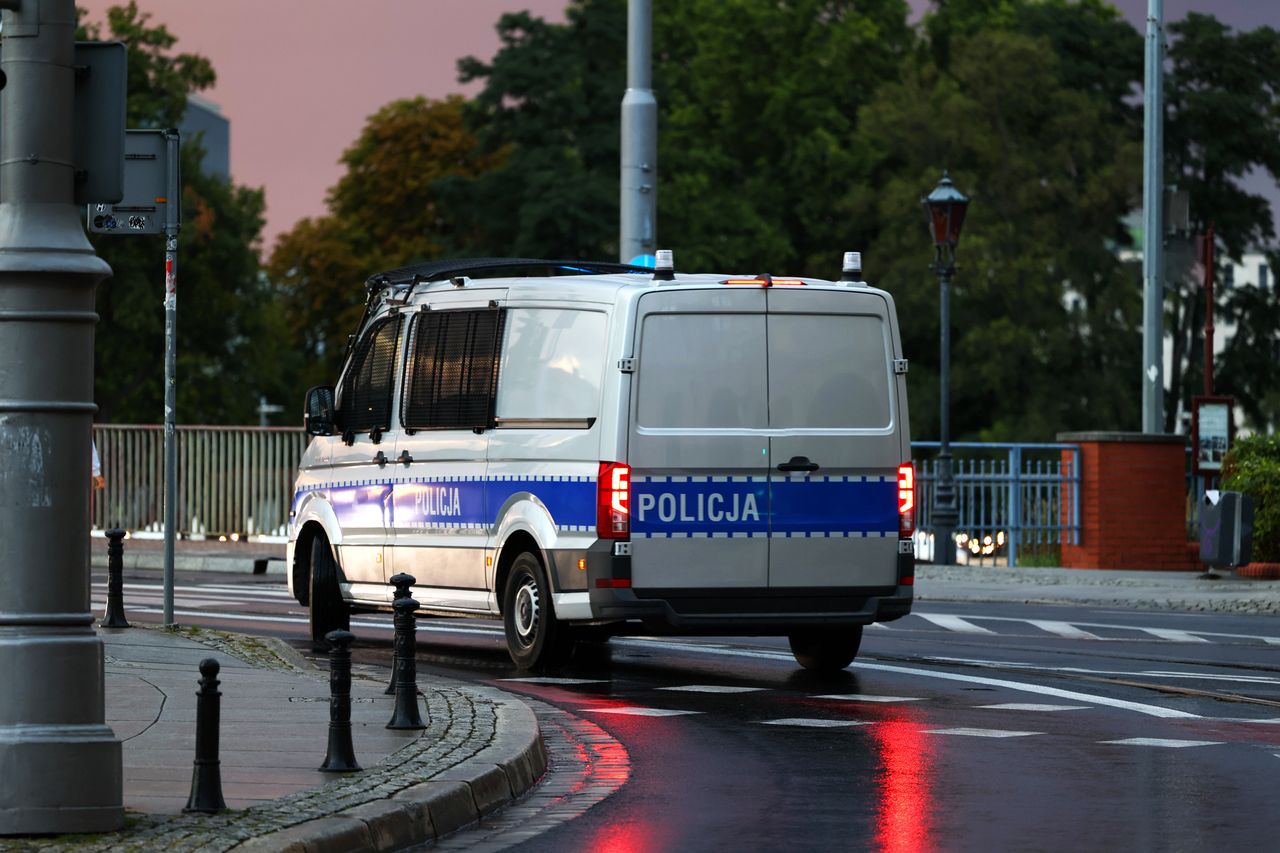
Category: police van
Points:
column 593, row 449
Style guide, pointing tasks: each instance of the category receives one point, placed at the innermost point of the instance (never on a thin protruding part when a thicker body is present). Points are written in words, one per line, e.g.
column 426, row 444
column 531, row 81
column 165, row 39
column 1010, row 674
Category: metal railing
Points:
column 232, row 480
column 1012, row 498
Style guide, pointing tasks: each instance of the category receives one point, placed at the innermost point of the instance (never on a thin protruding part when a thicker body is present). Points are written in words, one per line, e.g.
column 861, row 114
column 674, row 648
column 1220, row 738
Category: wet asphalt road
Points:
column 961, row 727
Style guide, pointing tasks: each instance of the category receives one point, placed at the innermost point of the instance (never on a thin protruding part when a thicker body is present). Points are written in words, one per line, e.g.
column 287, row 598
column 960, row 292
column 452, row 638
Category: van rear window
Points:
column 702, row 371
column 828, row 371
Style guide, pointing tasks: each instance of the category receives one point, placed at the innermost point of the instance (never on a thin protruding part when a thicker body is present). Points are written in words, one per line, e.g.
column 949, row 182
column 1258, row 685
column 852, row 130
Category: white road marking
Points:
column 1175, row 636
column 712, row 688
column 642, row 712
column 1163, row 633
column 980, row 732
column 1155, row 741
column 814, row 723
column 1063, row 629
column 858, row 697
column 1031, row 706
column 1071, row 695
column 1153, row 673
column 549, row 680
column 954, row 623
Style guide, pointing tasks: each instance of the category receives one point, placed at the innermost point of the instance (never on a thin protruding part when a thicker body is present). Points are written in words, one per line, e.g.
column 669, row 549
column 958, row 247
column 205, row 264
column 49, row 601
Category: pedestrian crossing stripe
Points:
column 814, row 723
column 712, row 688
column 642, row 712
column 858, row 697
column 1164, row 742
column 994, row 733
column 1032, row 706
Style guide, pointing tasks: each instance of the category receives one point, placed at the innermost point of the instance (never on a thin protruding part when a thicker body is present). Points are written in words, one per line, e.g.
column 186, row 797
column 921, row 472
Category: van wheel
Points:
column 534, row 637
column 328, row 611
column 826, row 649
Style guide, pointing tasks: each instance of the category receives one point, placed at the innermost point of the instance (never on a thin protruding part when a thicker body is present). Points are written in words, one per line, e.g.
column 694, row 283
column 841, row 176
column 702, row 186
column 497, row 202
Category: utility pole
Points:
column 172, row 223
column 639, row 219
column 1153, row 225
column 60, row 761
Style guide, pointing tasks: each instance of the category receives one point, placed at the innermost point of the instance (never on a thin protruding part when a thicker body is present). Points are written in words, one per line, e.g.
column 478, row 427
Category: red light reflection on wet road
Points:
column 906, row 758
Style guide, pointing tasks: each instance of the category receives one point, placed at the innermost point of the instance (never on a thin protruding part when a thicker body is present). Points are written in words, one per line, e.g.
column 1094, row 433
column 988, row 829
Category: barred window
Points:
column 364, row 401
column 453, row 370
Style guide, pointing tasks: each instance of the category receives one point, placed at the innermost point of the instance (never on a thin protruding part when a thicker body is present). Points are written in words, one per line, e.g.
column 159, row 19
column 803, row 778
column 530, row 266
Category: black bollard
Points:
column 405, row 715
column 341, row 756
column 206, row 776
column 401, row 582
column 114, row 617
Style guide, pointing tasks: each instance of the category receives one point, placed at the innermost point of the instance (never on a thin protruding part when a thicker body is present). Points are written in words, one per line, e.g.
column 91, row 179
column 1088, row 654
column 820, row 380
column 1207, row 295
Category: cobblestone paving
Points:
column 459, row 724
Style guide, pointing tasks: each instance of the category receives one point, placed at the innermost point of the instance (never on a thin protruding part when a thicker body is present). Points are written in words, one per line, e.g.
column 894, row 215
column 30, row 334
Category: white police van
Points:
column 592, row 449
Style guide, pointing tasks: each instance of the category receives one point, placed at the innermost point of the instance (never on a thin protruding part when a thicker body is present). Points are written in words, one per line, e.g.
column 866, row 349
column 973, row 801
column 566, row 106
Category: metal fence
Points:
column 232, row 481
column 1015, row 500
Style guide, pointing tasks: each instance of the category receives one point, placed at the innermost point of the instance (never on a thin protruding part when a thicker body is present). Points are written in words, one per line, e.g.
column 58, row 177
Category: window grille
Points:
column 365, row 399
column 453, row 374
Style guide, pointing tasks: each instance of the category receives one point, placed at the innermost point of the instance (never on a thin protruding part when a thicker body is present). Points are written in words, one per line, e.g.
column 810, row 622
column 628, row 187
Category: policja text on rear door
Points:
column 698, row 445
column 835, row 439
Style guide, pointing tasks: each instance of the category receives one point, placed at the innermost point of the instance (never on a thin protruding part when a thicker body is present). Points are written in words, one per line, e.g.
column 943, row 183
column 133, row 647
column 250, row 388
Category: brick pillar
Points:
column 1133, row 494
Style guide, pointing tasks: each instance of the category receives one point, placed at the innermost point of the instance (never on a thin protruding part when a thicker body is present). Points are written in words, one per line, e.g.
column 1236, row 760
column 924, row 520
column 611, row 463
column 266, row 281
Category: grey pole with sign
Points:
column 151, row 204
column 61, row 762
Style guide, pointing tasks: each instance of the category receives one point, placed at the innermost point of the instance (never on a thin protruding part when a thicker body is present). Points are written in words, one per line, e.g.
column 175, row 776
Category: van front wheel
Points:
column 826, row 649
column 328, row 611
column 534, row 637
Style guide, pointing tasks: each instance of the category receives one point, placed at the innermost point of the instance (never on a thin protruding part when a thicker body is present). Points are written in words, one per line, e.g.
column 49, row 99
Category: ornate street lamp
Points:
column 946, row 206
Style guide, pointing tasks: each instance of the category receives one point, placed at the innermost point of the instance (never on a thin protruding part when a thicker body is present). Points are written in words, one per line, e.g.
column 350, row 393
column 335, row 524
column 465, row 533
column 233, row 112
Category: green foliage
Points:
column 1248, row 367
column 1253, row 467
column 229, row 343
column 1223, row 120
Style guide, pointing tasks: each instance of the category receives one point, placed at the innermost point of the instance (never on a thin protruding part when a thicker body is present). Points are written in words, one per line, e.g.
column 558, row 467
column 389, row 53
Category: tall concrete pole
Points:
column 639, row 220
column 59, row 762
column 172, row 207
column 1153, row 225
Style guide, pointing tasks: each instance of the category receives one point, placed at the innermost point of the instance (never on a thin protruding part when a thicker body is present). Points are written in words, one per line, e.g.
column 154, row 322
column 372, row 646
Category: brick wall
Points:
column 1132, row 502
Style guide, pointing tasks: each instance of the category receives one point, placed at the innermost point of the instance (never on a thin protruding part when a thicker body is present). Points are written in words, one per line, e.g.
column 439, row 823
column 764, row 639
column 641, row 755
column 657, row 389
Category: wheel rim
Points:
column 527, row 612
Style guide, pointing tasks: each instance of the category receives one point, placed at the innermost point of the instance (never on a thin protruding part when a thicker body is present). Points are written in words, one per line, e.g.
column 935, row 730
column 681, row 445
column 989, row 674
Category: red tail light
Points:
column 613, row 501
column 906, row 500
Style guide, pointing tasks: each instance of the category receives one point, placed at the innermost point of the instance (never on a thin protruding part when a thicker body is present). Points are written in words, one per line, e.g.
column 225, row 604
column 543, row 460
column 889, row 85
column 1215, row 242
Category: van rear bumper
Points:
column 750, row 611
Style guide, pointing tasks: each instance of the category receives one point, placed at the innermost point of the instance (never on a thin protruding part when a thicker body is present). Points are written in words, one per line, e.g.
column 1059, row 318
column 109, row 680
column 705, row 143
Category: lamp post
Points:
column 946, row 206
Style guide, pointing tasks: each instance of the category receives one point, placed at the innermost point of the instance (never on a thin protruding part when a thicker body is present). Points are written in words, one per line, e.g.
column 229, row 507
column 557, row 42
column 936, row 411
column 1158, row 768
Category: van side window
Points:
column 553, row 365
column 364, row 401
column 452, row 370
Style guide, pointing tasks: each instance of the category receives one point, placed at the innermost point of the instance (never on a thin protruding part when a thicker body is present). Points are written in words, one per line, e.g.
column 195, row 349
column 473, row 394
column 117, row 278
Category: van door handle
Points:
column 798, row 463
column 381, row 459
column 404, row 458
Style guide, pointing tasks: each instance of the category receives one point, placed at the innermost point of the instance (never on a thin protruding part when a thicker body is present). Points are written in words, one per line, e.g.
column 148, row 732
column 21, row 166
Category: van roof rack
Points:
column 491, row 267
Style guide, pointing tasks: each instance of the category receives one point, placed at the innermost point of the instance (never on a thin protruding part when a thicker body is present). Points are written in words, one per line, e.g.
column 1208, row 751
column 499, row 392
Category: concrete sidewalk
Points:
column 1182, row 591
column 481, row 750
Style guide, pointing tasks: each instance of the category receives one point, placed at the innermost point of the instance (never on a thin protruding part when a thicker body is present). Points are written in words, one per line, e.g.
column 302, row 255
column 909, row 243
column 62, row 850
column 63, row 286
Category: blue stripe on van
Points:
column 457, row 502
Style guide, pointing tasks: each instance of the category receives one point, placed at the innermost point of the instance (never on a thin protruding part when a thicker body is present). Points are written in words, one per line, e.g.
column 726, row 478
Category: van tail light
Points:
column 613, row 501
column 906, row 500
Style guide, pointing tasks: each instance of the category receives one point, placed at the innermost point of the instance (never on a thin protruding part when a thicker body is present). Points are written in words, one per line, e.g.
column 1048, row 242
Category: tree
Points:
column 1222, row 123
column 1045, row 316
column 384, row 212
column 228, row 342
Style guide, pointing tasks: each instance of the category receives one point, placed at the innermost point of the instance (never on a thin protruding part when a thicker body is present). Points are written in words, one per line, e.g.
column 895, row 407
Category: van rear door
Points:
column 698, row 445
column 833, row 416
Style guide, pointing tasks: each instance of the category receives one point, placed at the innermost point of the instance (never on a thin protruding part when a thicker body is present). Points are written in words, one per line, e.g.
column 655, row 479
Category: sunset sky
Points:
column 298, row 78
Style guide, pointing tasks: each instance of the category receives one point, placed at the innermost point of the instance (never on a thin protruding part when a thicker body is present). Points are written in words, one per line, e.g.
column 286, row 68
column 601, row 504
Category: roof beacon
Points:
column 852, row 268
column 664, row 266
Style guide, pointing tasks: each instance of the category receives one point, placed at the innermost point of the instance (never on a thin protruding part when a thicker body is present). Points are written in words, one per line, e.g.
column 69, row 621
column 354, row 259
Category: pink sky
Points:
column 298, row 78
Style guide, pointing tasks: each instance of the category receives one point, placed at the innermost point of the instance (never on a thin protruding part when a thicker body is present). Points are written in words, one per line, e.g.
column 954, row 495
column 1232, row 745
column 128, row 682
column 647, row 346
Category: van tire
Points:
column 826, row 649
column 535, row 639
column 328, row 611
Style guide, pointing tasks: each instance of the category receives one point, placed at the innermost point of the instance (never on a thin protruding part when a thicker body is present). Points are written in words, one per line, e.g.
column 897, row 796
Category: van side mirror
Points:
column 318, row 414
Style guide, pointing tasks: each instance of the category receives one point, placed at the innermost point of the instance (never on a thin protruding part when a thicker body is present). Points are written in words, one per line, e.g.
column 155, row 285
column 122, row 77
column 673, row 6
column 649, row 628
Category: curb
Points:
column 497, row 775
column 153, row 560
